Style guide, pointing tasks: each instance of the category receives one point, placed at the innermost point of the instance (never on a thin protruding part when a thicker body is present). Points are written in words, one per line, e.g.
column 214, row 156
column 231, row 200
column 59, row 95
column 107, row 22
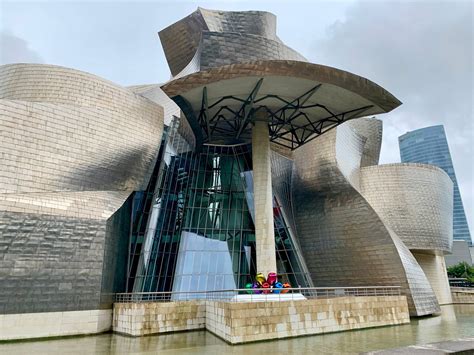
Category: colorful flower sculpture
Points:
column 260, row 278
column 269, row 284
column 256, row 285
column 272, row 278
column 277, row 287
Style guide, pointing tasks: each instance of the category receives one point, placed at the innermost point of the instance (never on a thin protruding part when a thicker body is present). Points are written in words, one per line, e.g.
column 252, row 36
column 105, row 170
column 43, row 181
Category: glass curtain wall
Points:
column 200, row 233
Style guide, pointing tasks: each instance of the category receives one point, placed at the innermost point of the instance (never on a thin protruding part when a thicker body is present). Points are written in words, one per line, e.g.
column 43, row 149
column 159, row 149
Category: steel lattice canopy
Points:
column 301, row 100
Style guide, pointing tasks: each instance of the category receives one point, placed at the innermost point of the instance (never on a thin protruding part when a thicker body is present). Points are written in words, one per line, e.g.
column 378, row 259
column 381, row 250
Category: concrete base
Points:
column 53, row 324
column 242, row 322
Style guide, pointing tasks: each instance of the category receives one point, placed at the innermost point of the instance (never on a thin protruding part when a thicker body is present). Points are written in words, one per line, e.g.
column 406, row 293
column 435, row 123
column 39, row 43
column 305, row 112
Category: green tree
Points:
column 462, row 270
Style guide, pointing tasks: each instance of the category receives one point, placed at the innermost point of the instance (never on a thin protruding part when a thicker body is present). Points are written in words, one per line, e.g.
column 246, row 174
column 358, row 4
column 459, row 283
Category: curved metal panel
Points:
column 415, row 200
column 64, row 130
column 74, row 147
column 343, row 239
column 261, row 23
column 182, row 41
column 371, row 129
column 241, row 47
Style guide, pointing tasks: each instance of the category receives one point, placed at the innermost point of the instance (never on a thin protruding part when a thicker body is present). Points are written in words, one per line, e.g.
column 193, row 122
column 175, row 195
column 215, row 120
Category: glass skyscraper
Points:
column 429, row 146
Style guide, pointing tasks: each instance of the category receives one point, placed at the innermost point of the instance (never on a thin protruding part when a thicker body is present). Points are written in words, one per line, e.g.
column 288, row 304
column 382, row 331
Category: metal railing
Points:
column 460, row 282
column 259, row 294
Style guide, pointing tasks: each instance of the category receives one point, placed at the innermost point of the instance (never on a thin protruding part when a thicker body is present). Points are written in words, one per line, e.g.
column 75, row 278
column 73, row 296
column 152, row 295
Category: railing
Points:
column 260, row 294
column 460, row 282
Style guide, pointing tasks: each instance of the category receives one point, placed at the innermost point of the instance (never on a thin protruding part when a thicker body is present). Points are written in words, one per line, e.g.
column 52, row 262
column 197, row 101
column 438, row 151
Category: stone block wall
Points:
column 247, row 322
column 50, row 324
column 462, row 296
column 139, row 319
column 241, row 322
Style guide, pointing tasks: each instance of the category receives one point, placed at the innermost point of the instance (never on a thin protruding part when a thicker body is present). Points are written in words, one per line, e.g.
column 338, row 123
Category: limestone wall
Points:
column 246, row 322
column 241, row 322
column 139, row 319
column 462, row 296
column 50, row 324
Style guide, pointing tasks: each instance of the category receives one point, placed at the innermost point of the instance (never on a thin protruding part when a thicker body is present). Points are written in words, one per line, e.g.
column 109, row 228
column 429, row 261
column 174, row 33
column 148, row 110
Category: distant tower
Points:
column 429, row 145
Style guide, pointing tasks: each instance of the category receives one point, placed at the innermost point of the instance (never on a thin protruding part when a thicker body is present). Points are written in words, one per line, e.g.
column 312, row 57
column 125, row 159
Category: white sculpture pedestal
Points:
column 271, row 297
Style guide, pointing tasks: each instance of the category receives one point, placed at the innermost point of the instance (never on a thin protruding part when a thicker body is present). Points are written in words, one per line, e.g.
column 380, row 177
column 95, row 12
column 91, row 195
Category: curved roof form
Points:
column 302, row 100
column 219, row 35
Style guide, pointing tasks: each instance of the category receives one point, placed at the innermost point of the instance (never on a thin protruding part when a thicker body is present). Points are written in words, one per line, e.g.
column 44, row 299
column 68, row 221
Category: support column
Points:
column 263, row 198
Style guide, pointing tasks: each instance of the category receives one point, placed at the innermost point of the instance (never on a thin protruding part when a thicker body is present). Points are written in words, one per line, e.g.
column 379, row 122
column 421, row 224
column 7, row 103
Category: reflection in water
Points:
column 455, row 322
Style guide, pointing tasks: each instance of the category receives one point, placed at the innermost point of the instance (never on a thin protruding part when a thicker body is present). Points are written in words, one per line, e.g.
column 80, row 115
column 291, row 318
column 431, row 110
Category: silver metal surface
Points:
column 415, row 201
column 73, row 148
column 343, row 239
column 209, row 38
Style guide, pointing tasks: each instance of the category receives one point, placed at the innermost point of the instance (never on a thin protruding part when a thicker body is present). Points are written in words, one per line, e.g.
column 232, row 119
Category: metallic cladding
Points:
column 429, row 145
column 343, row 240
column 74, row 147
column 415, row 200
column 217, row 35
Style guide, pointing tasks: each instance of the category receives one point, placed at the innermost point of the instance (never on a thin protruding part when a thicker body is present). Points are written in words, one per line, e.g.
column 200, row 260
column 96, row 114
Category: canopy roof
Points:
column 301, row 100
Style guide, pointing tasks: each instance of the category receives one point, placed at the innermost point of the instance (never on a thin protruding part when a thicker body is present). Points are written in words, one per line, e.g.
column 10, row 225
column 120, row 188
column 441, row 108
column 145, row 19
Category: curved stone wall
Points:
column 415, row 200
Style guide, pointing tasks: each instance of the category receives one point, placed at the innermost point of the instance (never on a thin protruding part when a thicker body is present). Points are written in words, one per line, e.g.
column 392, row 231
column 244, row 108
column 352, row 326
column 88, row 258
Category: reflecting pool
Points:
column 456, row 321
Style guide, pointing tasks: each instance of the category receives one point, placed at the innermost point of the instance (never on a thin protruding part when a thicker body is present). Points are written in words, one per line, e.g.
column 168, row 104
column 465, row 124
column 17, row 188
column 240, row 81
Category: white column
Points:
column 434, row 268
column 263, row 199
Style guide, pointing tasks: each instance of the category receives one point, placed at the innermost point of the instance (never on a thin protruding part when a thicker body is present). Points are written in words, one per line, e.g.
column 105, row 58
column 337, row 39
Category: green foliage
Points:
column 463, row 270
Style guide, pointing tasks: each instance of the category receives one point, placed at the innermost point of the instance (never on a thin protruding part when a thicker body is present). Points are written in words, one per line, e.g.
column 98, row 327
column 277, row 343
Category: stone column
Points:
column 263, row 198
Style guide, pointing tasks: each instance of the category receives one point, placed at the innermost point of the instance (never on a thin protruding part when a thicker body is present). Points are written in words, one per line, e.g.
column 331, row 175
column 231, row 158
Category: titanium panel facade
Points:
column 221, row 37
column 344, row 241
column 415, row 200
column 74, row 147
column 429, row 146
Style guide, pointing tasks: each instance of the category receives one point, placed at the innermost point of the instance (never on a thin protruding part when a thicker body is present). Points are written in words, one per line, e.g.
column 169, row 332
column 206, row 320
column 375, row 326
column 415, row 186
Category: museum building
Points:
column 248, row 160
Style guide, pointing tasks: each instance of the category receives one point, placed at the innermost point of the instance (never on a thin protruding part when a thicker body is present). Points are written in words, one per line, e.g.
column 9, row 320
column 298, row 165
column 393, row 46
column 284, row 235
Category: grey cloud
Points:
column 422, row 52
column 16, row 50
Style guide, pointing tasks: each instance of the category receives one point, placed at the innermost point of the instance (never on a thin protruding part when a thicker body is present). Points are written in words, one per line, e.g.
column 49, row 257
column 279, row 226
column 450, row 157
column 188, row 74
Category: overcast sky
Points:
column 421, row 51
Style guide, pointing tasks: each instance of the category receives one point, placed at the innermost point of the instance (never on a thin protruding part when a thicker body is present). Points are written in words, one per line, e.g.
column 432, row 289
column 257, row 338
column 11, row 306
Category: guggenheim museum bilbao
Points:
column 249, row 160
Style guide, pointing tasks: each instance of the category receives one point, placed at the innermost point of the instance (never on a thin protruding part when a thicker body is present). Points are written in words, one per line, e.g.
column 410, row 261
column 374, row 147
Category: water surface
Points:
column 456, row 321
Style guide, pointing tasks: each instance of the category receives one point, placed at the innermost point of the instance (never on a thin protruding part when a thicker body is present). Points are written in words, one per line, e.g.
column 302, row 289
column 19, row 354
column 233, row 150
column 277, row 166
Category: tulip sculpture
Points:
column 269, row 284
